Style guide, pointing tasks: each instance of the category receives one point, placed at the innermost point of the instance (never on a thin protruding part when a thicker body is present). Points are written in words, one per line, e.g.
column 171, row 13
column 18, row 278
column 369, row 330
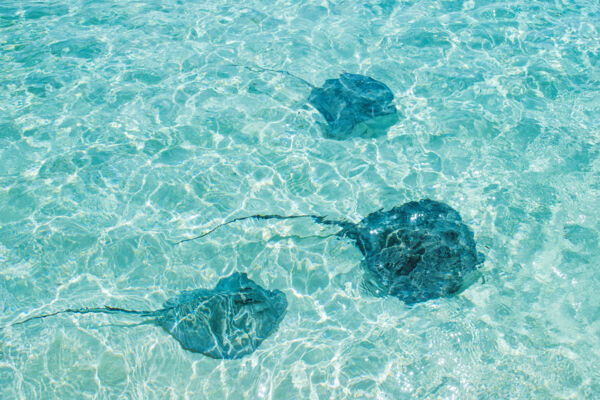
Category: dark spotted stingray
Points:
column 353, row 105
column 227, row 322
column 418, row 251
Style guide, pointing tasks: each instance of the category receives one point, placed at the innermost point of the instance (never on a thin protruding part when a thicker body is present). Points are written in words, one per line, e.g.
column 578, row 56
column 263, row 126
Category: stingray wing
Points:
column 369, row 91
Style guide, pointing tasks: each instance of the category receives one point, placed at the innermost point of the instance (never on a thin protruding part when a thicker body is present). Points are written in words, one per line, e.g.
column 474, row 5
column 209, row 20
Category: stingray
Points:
column 227, row 322
column 353, row 105
column 416, row 252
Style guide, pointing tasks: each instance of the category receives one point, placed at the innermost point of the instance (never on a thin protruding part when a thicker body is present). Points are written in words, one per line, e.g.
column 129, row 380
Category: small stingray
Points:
column 352, row 105
column 227, row 322
column 418, row 251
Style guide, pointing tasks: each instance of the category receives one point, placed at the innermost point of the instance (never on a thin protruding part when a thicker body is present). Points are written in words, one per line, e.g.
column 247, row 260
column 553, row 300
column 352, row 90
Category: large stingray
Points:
column 352, row 105
column 418, row 251
column 228, row 322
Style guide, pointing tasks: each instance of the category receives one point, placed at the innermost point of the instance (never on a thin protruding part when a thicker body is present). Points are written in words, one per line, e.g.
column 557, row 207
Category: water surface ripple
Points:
column 127, row 125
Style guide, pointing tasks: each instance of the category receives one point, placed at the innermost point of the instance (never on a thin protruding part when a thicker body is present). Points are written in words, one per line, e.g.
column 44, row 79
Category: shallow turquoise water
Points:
column 125, row 125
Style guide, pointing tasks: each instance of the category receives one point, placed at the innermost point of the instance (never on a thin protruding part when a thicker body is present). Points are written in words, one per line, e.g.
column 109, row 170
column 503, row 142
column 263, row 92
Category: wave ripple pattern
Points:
column 128, row 125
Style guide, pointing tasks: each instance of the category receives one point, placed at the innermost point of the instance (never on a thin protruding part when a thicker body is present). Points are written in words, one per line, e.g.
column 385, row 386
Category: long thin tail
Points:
column 85, row 310
column 255, row 68
column 316, row 218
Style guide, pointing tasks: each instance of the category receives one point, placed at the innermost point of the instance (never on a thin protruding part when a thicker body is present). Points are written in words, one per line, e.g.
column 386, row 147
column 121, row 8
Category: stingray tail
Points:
column 316, row 218
column 85, row 310
column 256, row 68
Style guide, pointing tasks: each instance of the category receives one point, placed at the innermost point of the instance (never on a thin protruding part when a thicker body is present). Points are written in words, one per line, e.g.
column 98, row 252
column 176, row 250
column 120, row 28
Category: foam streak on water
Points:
column 127, row 125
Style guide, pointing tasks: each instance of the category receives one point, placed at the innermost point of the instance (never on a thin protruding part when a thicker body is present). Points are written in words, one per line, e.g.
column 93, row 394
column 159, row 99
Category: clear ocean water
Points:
column 127, row 125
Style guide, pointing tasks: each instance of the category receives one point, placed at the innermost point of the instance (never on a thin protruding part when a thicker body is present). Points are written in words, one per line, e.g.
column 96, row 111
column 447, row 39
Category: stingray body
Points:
column 227, row 322
column 418, row 251
column 354, row 105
